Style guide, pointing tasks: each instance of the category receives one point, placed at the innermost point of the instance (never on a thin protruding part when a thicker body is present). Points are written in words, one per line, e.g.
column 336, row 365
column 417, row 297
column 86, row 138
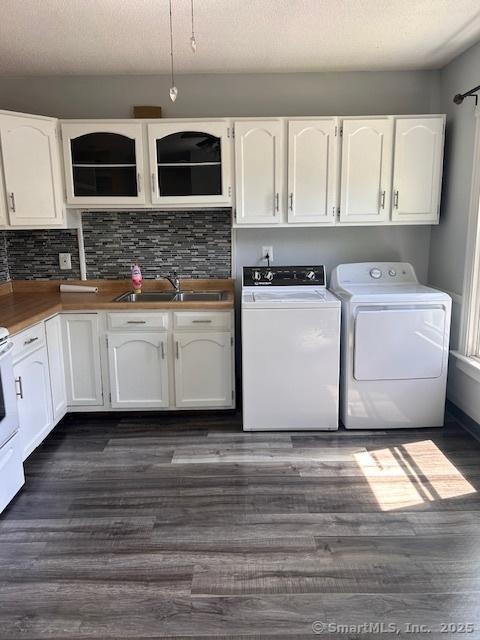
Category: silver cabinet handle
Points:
column 162, row 347
column 201, row 321
column 20, row 385
column 136, row 322
column 153, row 183
column 30, row 341
column 139, row 183
column 291, row 202
column 382, row 199
column 395, row 198
column 12, row 202
column 277, row 201
column 177, row 353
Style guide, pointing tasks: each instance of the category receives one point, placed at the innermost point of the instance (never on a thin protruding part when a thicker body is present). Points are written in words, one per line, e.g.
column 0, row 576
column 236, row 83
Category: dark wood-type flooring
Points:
column 183, row 526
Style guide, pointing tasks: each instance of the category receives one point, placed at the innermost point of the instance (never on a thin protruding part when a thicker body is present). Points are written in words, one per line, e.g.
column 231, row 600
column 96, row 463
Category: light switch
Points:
column 65, row 261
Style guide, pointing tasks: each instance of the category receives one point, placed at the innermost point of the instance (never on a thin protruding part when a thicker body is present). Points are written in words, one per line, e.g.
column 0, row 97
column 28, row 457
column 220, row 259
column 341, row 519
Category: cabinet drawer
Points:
column 138, row 321
column 199, row 320
column 28, row 340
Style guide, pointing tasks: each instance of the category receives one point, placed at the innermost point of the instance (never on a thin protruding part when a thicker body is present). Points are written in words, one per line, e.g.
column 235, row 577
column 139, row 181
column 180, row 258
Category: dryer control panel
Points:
column 284, row 276
column 373, row 273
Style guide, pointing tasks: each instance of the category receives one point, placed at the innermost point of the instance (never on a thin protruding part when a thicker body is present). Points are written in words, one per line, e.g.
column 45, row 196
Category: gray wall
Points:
column 334, row 246
column 225, row 94
column 448, row 240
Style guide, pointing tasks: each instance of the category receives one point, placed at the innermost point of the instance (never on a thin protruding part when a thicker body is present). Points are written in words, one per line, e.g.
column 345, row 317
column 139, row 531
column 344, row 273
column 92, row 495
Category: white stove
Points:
column 11, row 468
column 290, row 349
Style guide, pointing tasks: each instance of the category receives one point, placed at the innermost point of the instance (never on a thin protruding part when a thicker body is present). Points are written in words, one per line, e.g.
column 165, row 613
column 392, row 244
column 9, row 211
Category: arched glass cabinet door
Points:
column 190, row 163
column 103, row 163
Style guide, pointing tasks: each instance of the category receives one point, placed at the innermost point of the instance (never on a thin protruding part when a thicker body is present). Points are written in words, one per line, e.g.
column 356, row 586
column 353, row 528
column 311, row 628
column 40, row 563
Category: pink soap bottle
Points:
column 137, row 279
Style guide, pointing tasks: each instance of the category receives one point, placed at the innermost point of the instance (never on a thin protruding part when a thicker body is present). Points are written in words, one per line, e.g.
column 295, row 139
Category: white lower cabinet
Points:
column 83, row 366
column 138, row 370
column 34, row 399
column 203, row 369
column 53, row 330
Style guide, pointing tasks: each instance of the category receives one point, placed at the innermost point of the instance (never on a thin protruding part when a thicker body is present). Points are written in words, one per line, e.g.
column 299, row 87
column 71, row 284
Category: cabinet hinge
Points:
column 341, row 130
column 231, row 340
column 229, row 192
column 228, row 132
column 336, row 131
column 106, row 341
column 233, row 132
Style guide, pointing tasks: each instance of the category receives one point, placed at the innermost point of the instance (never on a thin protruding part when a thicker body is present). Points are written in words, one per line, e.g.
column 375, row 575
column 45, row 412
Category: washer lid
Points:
column 289, row 296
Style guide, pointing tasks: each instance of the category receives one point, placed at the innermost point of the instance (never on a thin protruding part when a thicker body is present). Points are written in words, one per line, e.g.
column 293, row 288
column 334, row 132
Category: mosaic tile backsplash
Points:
column 33, row 255
column 193, row 244
column 4, row 276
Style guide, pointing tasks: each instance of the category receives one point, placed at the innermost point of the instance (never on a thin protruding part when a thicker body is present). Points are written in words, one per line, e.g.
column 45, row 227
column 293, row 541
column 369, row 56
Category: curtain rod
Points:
column 460, row 97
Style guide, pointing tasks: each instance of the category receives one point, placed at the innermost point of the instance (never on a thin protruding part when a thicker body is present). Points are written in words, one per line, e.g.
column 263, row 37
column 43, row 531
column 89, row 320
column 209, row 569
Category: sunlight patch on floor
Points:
column 411, row 474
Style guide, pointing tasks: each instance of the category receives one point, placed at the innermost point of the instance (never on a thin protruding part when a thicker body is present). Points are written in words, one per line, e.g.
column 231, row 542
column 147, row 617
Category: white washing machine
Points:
column 290, row 349
column 395, row 338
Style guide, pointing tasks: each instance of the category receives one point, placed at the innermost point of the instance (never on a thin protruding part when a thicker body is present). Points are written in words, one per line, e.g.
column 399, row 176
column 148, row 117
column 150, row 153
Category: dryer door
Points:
column 400, row 343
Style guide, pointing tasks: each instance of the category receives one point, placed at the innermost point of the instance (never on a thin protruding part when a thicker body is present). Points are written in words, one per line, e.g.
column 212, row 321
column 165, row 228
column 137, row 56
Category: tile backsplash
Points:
column 190, row 243
column 193, row 244
column 4, row 276
column 33, row 254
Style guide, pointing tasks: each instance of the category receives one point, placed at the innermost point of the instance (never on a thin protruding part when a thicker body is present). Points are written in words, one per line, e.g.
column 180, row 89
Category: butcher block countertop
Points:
column 25, row 302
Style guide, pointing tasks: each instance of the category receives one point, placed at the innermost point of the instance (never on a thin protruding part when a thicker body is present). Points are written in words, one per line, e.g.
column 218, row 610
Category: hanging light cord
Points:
column 193, row 28
column 171, row 43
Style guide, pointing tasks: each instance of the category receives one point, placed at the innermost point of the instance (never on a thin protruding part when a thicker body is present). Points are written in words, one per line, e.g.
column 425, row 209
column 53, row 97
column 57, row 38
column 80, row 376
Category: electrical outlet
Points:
column 267, row 251
column 65, row 261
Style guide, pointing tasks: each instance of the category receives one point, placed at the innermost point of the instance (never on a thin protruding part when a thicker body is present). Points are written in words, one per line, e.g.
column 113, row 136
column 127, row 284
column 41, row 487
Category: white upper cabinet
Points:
column 31, row 170
column 258, row 171
column 417, row 174
column 138, row 370
column 190, row 163
column 312, row 170
column 366, row 170
column 104, row 163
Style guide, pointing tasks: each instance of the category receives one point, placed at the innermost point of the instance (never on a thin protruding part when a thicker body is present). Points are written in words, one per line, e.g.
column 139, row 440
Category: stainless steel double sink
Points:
column 173, row 296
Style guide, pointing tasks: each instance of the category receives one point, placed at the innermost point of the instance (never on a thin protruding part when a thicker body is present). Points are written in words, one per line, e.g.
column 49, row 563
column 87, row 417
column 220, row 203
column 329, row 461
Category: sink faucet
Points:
column 175, row 281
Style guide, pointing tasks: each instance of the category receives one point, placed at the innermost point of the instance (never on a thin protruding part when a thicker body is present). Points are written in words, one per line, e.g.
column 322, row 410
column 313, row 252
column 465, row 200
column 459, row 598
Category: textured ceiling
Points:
column 131, row 36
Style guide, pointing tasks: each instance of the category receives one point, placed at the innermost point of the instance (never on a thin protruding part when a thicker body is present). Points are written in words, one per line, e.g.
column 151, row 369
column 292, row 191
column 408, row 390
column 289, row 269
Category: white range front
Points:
column 11, row 467
column 290, row 349
column 395, row 339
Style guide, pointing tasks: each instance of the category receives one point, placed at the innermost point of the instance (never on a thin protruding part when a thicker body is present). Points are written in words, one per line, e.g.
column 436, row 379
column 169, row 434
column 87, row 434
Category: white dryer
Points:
column 290, row 349
column 395, row 341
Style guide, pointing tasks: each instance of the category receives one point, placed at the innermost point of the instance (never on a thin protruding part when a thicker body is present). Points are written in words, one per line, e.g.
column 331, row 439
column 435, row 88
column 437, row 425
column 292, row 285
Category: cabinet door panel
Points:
column 203, row 370
column 311, row 171
column 258, row 170
column 138, row 370
column 81, row 343
column 366, row 170
column 103, row 163
column 32, row 173
column 34, row 399
column 418, row 169
column 190, row 163
column 53, row 328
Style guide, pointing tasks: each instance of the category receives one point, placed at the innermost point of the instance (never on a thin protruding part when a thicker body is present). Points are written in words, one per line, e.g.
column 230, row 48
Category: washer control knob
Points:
column 375, row 273
column 257, row 275
column 269, row 276
column 310, row 275
column 392, row 272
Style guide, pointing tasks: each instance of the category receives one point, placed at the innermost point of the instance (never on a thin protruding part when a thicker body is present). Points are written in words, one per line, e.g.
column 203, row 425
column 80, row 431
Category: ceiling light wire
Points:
column 173, row 88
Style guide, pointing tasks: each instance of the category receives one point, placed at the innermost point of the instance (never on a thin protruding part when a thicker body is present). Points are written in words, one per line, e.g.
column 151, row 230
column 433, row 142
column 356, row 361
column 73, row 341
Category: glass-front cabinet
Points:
column 103, row 163
column 190, row 163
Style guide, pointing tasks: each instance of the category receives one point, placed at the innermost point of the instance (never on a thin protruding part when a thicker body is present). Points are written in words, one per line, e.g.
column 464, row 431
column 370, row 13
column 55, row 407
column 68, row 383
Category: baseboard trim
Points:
column 468, row 423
